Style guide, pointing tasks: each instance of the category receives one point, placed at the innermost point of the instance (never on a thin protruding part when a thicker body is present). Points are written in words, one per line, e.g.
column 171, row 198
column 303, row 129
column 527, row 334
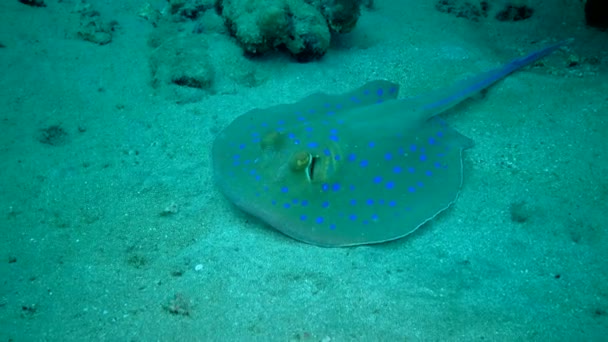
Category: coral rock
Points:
column 302, row 27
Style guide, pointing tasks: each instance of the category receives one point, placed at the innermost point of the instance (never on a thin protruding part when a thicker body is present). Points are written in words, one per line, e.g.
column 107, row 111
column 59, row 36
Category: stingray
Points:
column 357, row 168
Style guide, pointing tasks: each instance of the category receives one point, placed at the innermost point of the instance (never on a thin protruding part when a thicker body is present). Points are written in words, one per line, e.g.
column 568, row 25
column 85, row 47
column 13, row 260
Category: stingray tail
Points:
column 446, row 98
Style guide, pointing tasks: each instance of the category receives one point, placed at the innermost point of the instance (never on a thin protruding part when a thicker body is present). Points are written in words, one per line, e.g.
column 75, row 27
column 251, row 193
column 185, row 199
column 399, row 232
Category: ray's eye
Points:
column 304, row 161
column 272, row 140
column 300, row 161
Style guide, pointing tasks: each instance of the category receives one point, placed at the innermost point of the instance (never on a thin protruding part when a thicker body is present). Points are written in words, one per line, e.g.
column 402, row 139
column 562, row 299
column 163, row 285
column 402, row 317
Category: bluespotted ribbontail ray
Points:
column 357, row 168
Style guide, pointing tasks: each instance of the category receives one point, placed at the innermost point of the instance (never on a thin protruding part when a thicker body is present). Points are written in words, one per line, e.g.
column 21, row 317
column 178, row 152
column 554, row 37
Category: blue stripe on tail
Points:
column 476, row 84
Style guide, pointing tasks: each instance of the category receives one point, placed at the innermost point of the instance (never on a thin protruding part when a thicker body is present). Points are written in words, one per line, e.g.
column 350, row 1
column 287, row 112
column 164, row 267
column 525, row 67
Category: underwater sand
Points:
column 111, row 227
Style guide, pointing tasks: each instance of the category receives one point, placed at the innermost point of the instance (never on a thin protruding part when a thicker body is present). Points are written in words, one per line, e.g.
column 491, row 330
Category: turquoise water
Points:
column 112, row 227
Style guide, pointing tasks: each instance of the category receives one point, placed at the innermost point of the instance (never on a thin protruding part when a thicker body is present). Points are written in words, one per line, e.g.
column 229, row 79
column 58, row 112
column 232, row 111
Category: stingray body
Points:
column 357, row 168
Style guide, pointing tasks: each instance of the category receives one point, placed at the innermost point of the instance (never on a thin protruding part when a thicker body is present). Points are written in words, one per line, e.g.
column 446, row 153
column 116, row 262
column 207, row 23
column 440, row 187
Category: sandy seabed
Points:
column 112, row 229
